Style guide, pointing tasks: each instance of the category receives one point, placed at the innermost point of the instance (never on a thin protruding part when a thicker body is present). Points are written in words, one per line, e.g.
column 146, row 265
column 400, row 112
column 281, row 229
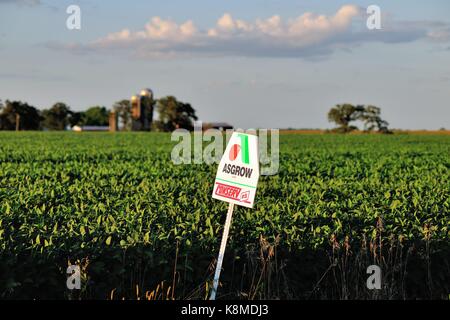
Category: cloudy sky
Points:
column 253, row 63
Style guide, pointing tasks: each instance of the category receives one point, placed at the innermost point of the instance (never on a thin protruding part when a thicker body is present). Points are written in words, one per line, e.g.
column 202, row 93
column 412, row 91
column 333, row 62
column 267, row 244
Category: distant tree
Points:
column 57, row 117
column 372, row 120
column 28, row 117
column 175, row 114
column 150, row 110
column 157, row 126
column 123, row 109
column 343, row 114
column 77, row 118
column 96, row 116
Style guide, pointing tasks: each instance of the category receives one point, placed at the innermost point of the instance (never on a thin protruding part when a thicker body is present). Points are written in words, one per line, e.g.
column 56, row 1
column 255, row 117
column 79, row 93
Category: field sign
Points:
column 238, row 172
column 236, row 181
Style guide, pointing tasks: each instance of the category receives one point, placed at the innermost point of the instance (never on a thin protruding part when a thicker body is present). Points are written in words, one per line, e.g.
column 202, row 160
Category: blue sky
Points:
column 252, row 63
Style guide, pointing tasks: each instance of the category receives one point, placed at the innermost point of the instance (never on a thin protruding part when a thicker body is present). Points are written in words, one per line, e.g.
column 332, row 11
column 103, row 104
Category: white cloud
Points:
column 226, row 22
column 442, row 34
column 156, row 29
column 308, row 35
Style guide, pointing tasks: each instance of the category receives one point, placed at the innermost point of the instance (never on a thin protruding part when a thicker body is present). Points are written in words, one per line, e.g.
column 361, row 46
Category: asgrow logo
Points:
column 234, row 151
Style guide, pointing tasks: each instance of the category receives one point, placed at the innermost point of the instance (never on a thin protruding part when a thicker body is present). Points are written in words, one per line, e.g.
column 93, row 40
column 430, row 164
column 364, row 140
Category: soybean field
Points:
column 141, row 227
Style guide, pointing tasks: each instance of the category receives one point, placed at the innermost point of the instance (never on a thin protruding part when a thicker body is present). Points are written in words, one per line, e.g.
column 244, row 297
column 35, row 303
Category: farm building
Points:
column 217, row 125
column 90, row 128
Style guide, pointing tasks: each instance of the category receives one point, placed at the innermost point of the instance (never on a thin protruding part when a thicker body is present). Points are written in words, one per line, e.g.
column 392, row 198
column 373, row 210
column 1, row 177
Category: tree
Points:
column 77, row 118
column 372, row 120
column 28, row 117
column 57, row 117
column 343, row 114
column 96, row 116
column 150, row 108
column 174, row 114
column 123, row 110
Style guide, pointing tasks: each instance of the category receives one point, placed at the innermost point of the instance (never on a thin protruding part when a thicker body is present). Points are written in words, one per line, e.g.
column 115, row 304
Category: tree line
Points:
column 173, row 114
column 18, row 115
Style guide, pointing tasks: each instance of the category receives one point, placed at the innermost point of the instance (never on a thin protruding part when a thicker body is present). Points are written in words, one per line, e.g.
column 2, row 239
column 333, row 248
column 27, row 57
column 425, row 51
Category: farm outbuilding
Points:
column 217, row 125
column 90, row 128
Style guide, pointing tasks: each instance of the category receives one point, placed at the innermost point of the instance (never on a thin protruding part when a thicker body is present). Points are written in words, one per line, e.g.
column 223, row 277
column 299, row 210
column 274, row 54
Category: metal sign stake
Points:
column 223, row 244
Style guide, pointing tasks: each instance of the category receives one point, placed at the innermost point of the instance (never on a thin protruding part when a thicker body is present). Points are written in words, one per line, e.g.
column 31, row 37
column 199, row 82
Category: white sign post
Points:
column 236, row 182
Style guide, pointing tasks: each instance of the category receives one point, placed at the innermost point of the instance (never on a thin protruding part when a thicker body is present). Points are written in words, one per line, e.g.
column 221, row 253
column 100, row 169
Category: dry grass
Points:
column 302, row 131
column 423, row 132
column 358, row 132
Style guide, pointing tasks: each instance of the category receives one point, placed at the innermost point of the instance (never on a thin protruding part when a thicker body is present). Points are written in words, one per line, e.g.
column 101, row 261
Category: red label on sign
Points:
column 232, row 192
column 227, row 191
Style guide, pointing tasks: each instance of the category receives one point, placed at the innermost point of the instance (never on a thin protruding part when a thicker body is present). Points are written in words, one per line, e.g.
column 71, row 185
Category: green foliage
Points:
column 96, row 116
column 175, row 114
column 77, row 119
column 29, row 116
column 57, row 117
column 344, row 114
column 123, row 109
column 120, row 202
column 372, row 120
